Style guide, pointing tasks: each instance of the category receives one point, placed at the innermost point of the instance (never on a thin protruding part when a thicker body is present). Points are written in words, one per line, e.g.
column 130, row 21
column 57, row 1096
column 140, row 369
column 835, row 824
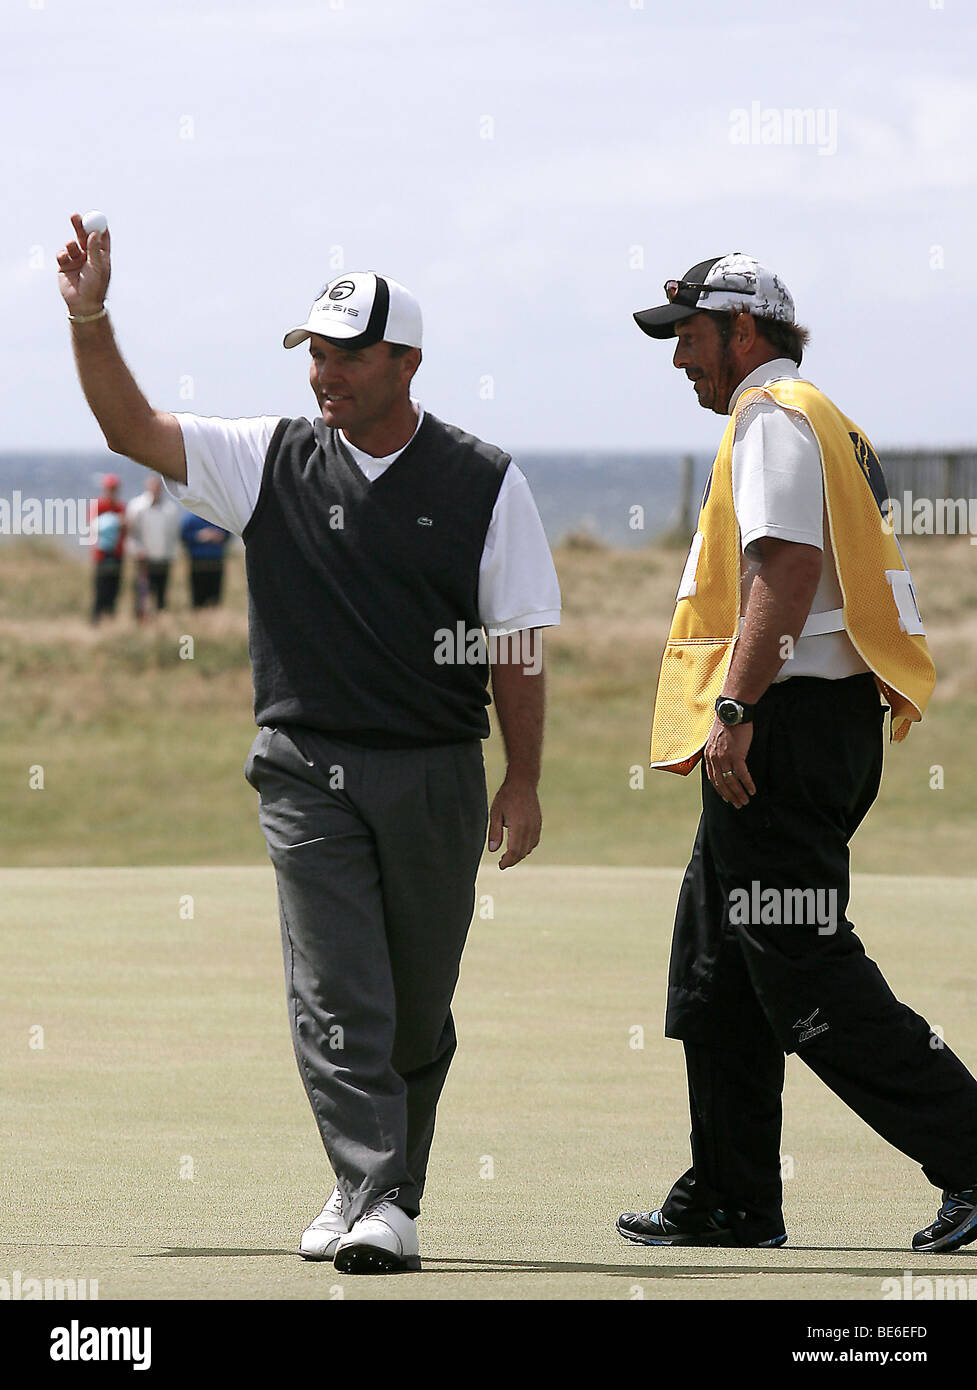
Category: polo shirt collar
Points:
column 776, row 370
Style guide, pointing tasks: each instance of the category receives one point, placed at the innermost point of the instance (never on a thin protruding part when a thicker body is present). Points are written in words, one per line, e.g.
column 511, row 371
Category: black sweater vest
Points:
column 352, row 586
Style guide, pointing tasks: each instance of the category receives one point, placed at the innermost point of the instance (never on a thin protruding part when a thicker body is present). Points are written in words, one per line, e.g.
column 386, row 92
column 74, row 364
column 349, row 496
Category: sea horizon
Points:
column 621, row 499
column 616, row 498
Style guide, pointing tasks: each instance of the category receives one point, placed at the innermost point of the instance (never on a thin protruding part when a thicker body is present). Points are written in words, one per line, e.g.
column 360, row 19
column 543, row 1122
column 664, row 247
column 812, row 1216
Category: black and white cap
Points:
column 736, row 282
column 360, row 309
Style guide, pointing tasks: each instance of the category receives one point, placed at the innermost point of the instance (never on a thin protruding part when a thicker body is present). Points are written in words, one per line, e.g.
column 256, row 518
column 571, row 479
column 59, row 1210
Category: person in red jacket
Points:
column 108, row 516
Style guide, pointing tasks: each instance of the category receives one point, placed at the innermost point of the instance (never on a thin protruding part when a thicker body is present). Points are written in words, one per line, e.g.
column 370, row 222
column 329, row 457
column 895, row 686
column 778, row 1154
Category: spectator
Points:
column 108, row 516
column 205, row 544
column 153, row 522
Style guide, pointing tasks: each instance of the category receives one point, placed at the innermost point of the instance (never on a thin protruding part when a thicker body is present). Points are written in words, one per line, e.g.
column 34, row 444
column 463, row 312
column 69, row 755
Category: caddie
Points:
column 796, row 628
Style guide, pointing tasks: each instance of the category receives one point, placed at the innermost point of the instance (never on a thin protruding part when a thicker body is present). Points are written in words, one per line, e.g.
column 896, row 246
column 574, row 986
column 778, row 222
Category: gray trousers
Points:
column 375, row 854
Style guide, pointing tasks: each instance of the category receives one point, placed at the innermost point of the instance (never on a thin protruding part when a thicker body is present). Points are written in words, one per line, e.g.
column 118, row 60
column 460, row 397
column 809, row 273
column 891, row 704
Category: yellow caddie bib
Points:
column 881, row 616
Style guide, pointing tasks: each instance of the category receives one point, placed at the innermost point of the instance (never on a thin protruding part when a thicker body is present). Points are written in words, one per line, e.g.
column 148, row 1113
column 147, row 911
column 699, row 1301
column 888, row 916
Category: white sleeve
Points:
column 777, row 484
column 517, row 583
column 225, row 461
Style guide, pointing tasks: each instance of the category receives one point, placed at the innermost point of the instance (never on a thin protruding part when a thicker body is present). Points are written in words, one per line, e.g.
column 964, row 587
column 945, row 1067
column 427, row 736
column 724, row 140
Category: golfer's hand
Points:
column 84, row 268
column 726, row 751
column 516, row 807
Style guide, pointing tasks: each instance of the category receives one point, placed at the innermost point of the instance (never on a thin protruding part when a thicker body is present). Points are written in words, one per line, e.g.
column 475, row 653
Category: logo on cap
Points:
column 360, row 309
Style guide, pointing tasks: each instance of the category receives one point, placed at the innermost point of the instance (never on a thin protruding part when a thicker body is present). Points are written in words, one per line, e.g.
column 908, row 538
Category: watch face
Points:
column 729, row 712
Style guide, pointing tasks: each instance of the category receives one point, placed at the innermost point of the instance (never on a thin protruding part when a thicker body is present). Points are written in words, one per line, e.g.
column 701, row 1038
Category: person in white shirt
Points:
column 790, row 768
column 153, row 523
column 379, row 543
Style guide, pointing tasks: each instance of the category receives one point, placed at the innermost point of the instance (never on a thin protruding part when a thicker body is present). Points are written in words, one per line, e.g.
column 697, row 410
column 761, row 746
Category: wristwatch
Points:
column 733, row 712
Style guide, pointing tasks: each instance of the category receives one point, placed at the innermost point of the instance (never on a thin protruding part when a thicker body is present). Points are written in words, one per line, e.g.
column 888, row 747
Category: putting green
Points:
column 155, row 1135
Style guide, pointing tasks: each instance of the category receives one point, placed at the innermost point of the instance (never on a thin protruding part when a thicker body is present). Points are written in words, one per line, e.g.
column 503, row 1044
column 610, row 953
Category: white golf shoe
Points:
column 320, row 1238
column 383, row 1241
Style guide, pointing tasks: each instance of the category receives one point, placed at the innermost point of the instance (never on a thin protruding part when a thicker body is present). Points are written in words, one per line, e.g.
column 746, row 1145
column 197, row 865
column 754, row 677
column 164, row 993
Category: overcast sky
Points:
column 532, row 169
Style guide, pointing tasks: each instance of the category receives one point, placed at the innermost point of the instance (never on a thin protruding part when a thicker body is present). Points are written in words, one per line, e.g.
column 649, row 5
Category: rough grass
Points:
column 141, row 750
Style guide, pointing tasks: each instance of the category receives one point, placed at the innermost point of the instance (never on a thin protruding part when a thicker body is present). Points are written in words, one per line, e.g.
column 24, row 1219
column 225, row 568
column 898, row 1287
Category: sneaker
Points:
column 955, row 1224
column 320, row 1238
column 383, row 1241
column 651, row 1228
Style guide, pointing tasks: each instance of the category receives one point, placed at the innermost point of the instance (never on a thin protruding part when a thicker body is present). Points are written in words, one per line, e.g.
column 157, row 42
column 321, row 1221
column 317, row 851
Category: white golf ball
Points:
column 94, row 222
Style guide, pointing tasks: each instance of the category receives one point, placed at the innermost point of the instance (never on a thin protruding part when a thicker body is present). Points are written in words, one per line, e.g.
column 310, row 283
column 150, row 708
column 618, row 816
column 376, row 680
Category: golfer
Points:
column 381, row 544
column 795, row 627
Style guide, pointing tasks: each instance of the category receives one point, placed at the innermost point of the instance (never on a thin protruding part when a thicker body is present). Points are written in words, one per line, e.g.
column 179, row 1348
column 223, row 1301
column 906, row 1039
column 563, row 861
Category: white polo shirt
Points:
column 518, row 587
column 153, row 527
column 778, row 491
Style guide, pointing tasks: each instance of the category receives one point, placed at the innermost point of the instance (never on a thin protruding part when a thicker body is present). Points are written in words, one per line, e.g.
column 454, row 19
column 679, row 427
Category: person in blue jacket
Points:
column 205, row 545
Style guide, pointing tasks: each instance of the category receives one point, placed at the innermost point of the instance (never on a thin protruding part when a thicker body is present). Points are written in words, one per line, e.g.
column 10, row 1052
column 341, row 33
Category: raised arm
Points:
column 129, row 423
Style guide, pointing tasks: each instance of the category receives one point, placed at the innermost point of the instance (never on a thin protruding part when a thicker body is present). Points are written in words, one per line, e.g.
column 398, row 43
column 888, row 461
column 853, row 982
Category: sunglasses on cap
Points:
column 673, row 288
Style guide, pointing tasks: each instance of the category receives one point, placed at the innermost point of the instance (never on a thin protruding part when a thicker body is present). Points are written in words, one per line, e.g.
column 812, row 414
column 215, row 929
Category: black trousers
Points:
column 150, row 582
column 108, row 573
column 158, row 574
column 206, row 580
column 765, row 962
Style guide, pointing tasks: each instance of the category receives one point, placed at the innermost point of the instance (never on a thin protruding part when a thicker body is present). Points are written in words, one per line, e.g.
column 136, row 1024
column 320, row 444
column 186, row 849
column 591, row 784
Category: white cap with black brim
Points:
column 360, row 309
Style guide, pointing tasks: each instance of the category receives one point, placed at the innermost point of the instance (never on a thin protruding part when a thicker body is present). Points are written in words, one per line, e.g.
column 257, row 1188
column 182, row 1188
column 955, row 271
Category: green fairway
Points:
column 160, row 1142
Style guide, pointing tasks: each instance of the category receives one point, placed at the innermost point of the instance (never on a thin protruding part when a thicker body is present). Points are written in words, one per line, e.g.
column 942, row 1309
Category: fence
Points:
column 930, row 473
